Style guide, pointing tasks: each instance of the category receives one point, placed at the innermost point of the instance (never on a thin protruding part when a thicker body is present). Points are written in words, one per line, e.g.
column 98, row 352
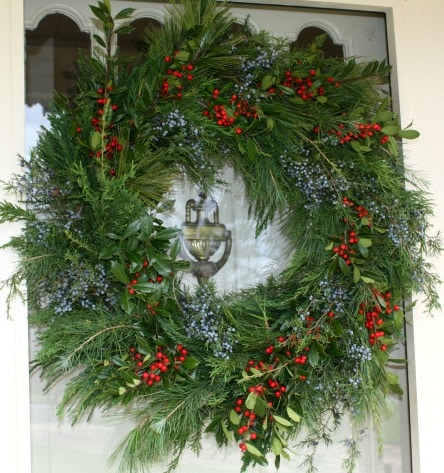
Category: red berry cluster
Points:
column 166, row 360
column 359, row 209
column 146, row 274
column 346, row 250
column 101, row 123
column 374, row 317
column 228, row 115
column 308, row 87
column 176, row 76
column 360, row 131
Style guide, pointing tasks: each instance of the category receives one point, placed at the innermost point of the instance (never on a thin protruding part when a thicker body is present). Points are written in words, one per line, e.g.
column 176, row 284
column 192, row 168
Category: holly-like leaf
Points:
column 119, row 272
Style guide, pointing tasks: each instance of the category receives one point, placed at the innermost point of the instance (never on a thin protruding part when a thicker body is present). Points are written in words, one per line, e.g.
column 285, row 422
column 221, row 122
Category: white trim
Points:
column 85, row 24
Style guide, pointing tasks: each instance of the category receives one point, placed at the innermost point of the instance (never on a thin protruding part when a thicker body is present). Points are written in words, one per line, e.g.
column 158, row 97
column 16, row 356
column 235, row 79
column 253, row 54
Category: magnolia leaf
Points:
column 125, row 29
column 253, row 450
column 251, row 401
column 282, row 421
column 343, row 266
column 366, row 242
column 276, row 446
column 234, row 417
column 391, row 130
column 228, row 434
column 286, row 90
column 95, row 140
column 363, row 250
column 356, row 274
column 268, row 81
column 409, row 134
column 293, row 414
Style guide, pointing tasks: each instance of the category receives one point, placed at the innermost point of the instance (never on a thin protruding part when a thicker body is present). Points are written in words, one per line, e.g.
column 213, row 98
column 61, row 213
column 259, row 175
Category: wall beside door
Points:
column 416, row 41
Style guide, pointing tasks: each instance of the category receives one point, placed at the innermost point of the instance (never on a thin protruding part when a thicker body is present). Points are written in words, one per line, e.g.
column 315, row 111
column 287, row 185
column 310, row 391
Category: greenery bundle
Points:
column 318, row 148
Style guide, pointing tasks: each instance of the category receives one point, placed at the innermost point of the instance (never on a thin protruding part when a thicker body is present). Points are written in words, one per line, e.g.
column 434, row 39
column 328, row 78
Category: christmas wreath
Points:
column 317, row 146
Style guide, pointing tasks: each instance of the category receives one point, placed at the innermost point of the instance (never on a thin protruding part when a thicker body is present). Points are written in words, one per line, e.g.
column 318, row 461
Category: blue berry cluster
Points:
column 264, row 61
column 358, row 354
column 82, row 287
column 317, row 184
column 334, row 295
column 179, row 132
column 204, row 320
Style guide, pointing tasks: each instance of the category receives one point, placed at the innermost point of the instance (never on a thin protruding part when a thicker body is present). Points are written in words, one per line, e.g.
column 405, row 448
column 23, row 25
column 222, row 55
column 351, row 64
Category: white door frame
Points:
column 415, row 29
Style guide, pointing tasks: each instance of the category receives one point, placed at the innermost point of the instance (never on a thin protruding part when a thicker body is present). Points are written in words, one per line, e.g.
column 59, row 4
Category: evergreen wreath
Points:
column 318, row 148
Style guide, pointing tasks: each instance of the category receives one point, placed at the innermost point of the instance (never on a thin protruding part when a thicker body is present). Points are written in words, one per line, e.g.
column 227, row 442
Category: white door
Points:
column 61, row 449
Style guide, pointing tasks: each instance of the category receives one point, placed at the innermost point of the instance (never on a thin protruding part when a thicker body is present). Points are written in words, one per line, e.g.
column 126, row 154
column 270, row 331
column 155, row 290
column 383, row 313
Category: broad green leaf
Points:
column 119, row 272
column 234, row 417
column 122, row 391
column 392, row 378
column 313, row 355
column 167, row 234
column 125, row 13
column 329, row 247
column 391, row 130
column 253, row 450
column 356, row 146
column 268, row 81
column 131, row 229
column 99, row 40
column 366, row 242
column 251, row 401
column 227, row 433
column 363, row 250
column 409, row 134
column 282, row 421
column 118, row 361
column 293, row 414
column 125, row 29
column 367, row 280
column 95, row 140
column 183, row 55
column 356, row 274
column 190, row 363
column 321, row 98
column 145, row 287
column 276, row 446
column 270, row 123
column 107, row 252
column 345, row 269
column 255, row 372
column 286, row 90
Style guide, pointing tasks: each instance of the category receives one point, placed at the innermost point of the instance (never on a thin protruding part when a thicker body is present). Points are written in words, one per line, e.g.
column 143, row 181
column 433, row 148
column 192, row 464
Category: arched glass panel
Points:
column 51, row 51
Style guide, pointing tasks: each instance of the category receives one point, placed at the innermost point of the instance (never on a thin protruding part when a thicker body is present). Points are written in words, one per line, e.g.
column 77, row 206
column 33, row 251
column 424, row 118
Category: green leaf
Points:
column 321, row 98
column 122, row 391
column 190, row 363
column 183, row 55
column 391, row 130
column 286, row 90
column 282, row 421
column 409, row 134
column 251, row 401
column 125, row 13
column 119, row 272
column 167, row 234
column 253, row 450
column 392, row 378
column 363, row 250
column 228, row 434
column 313, row 355
column 367, row 280
column 125, row 29
column 95, row 140
column 132, row 229
column 343, row 266
column 107, row 252
column 99, row 41
column 268, row 81
column 276, row 446
column 356, row 274
column 234, row 417
column 366, row 242
column 293, row 414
